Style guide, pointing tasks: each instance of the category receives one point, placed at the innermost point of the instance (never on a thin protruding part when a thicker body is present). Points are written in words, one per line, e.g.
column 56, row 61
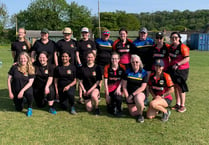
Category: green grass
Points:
column 42, row 128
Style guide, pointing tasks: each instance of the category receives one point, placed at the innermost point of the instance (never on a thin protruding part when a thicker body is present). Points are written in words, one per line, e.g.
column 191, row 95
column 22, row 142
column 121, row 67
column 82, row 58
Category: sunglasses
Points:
column 159, row 38
column 135, row 62
column 174, row 37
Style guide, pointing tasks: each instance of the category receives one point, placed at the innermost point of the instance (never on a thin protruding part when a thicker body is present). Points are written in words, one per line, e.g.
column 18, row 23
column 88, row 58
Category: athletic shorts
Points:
column 89, row 96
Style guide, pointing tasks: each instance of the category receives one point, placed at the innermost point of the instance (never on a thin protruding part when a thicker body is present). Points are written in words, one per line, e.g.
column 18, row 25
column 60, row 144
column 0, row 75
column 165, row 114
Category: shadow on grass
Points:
column 6, row 104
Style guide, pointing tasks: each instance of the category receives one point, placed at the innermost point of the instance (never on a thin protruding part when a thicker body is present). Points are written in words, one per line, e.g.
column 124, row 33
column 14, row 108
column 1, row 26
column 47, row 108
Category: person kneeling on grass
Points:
column 113, row 74
column 161, row 87
column 134, row 84
column 20, row 80
column 90, row 79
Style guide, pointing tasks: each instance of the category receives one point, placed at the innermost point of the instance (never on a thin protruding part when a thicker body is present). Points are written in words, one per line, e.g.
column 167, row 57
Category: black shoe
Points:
column 140, row 118
column 165, row 116
column 97, row 111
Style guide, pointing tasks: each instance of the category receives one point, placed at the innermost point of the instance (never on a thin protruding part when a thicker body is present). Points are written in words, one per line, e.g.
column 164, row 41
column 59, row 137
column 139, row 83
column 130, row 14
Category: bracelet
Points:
column 80, row 64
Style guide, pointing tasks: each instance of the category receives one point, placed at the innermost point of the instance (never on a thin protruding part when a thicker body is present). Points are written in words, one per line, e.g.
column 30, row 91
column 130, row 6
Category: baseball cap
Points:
column 143, row 29
column 67, row 30
column 159, row 62
column 85, row 29
column 106, row 32
column 45, row 30
column 159, row 34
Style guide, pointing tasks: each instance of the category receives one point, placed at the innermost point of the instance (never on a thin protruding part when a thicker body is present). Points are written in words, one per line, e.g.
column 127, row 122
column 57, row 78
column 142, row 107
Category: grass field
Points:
column 191, row 127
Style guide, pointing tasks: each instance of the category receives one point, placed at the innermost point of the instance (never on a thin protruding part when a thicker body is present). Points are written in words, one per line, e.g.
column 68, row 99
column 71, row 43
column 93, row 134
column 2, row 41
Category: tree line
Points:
column 55, row 15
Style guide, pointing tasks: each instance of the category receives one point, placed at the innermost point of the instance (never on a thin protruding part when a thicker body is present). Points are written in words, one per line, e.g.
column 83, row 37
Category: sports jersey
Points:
column 19, row 79
column 114, row 76
column 49, row 47
column 65, row 75
column 179, row 53
column 41, row 75
column 90, row 75
column 144, row 51
column 104, row 49
column 18, row 47
column 84, row 47
column 124, row 49
column 67, row 46
column 161, row 53
column 161, row 85
column 135, row 80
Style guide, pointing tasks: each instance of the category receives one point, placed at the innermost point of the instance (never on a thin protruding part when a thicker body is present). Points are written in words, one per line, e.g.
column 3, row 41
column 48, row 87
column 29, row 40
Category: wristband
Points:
column 80, row 65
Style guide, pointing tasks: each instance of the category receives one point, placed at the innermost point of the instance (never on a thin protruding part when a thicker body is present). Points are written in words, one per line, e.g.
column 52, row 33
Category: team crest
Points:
column 46, row 71
column 94, row 73
column 25, row 74
column 24, row 47
column 177, row 51
column 161, row 82
column 119, row 72
column 139, row 75
column 69, row 72
column 72, row 46
column 128, row 46
column 88, row 46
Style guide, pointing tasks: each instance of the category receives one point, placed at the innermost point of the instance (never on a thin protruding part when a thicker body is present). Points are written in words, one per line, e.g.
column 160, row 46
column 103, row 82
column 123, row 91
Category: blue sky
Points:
column 130, row 6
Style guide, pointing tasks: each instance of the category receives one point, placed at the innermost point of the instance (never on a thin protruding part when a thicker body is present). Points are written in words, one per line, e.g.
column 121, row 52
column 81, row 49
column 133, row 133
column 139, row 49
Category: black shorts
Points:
column 179, row 77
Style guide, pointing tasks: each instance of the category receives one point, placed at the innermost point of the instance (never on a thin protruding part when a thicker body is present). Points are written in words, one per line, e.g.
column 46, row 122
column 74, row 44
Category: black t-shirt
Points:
column 49, row 47
column 42, row 73
column 19, row 80
column 135, row 80
column 18, row 47
column 90, row 75
column 84, row 47
column 67, row 46
column 65, row 75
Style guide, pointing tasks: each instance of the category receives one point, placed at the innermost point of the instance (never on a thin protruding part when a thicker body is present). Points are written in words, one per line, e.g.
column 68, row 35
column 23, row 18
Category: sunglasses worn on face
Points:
column 159, row 38
column 135, row 62
column 174, row 37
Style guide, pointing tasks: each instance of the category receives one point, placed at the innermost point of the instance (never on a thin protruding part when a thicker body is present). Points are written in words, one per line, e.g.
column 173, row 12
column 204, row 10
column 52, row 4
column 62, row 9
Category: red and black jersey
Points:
column 90, row 75
column 49, row 47
column 124, row 49
column 84, row 47
column 42, row 73
column 19, row 79
column 65, row 75
column 114, row 76
column 18, row 47
column 161, row 53
column 67, row 46
column 179, row 53
column 161, row 85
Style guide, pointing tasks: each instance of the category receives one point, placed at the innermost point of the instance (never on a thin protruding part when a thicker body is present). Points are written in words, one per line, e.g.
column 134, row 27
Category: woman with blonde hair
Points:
column 134, row 84
column 20, row 80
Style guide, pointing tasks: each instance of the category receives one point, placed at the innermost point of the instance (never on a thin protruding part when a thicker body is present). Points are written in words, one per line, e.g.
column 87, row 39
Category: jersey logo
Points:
column 69, row 72
column 88, row 46
column 94, row 73
column 128, row 46
column 24, row 47
column 72, row 46
column 25, row 74
column 119, row 72
column 161, row 82
column 46, row 71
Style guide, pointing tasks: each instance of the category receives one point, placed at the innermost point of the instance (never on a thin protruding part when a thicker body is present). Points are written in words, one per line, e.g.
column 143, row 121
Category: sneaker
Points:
column 72, row 111
column 52, row 111
column 97, row 111
column 165, row 116
column 29, row 112
column 140, row 118
column 176, row 107
column 182, row 109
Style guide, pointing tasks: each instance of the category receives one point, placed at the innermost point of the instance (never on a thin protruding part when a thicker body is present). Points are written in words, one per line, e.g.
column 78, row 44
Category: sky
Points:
column 130, row 6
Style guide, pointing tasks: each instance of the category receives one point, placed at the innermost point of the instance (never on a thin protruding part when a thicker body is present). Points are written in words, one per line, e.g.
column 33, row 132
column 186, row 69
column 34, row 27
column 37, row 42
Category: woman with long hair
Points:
column 20, row 80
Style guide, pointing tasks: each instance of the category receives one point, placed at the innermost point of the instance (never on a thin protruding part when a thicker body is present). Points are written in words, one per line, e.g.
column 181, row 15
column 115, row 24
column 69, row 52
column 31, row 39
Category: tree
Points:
column 3, row 20
column 128, row 21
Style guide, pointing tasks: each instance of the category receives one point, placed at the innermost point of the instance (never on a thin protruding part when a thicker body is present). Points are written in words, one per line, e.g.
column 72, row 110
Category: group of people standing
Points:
column 49, row 71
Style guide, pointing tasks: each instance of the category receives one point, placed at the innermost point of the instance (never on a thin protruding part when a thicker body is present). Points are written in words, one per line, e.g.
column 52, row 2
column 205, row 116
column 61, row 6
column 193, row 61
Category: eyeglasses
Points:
column 159, row 38
column 135, row 62
column 174, row 37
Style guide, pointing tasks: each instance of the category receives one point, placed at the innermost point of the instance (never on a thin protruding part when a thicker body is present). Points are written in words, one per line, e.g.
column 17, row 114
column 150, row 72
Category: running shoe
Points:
column 166, row 116
column 182, row 109
column 176, row 107
column 97, row 111
column 72, row 111
column 140, row 118
column 52, row 111
column 29, row 112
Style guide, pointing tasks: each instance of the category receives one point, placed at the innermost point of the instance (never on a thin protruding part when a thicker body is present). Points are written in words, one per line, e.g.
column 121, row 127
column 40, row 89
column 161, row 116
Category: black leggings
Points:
column 115, row 101
column 19, row 103
column 67, row 96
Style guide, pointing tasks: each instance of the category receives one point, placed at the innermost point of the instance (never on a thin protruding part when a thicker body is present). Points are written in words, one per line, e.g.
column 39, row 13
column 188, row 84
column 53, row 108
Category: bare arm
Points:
column 69, row 85
column 55, row 58
column 78, row 57
column 27, row 86
column 56, row 87
column 11, row 96
column 33, row 54
column 48, row 83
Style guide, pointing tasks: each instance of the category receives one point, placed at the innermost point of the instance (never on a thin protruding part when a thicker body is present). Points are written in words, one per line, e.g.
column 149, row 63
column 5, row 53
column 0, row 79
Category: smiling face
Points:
column 115, row 59
column 135, row 63
column 159, row 40
column 43, row 59
column 65, row 58
column 21, row 33
column 123, row 35
column 85, row 35
column 44, row 36
column 90, row 58
column 159, row 69
column 67, row 36
column 23, row 60
column 175, row 39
